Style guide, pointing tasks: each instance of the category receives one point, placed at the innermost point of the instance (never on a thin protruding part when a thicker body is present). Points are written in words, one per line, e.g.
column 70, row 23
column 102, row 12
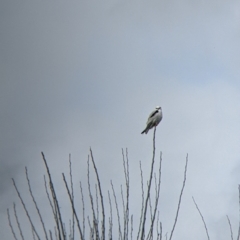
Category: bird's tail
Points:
column 145, row 131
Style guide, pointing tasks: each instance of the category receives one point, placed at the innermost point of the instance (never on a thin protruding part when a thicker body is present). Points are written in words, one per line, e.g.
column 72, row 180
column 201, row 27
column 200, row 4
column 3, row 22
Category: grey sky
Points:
column 87, row 73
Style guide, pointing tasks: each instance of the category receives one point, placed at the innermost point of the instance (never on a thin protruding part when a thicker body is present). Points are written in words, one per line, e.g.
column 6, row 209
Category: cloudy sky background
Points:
column 77, row 74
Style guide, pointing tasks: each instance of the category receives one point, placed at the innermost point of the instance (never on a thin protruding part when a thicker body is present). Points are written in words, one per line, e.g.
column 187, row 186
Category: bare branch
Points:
column 238, row 237
column 24, row 206
column 124, row 213
column 10, row 225
column 157, row 190
column 91, row 229
column 126, row 210
column 160, row 231
column 34, row 238
column 202, row 218
column 149, row 188
column 230, row 226
column 180, row 198
column 73, row 207
column 101, row 196
column 110, row 218
column 142, row 208
column 52, row 207
column 116, row 204
column 55, row 201
column 35, row 203
column 50, row 233
column 92, row 204
column 17, row 221
column 97, row 208
column 72, row 193
column 131, row 227
column 83, row 208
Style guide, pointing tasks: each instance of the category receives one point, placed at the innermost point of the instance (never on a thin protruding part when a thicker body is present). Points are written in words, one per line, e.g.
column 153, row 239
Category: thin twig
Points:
column 110, row 218
column 26, row 211
column 10, row 225
column 149, row 188
column 124, row 213
column 35, row 203
column 17, row 221
column 73, row 207
column 101, row 196
column 91, row 229
column 239, row 212
column 97, row 208
column 55, row 201
column 92, row 204
column 150, row 208
column 157, row 189
column 131, row 227
column 51, row 204
column 50, row 233
column 180, row 198
column 34, row 238
column 126, row 210
column 56, row 233
column 116, row 204
column 158, row 233
column 160, row 230
column 72, row 193
column 142, row 208
column 202, row 218
column 230, row 226
column 83, row 208
column 70, row 228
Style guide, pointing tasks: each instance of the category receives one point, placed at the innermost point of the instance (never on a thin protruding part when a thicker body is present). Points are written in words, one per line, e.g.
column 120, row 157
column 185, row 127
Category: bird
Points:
column 154, row 119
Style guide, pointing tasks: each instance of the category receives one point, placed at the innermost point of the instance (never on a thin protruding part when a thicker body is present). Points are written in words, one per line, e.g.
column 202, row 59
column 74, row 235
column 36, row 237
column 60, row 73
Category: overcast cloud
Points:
column 80, row 74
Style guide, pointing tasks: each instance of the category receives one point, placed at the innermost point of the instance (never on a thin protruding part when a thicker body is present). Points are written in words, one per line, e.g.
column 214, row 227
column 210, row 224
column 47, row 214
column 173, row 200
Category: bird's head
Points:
column 158, row 108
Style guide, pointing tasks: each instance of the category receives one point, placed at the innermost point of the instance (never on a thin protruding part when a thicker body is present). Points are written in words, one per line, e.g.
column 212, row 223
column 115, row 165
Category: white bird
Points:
column 153, row 120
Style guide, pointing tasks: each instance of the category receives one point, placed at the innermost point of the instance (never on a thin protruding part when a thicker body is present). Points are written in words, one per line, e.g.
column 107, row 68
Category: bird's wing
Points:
column 152, row 116
column 153, row 113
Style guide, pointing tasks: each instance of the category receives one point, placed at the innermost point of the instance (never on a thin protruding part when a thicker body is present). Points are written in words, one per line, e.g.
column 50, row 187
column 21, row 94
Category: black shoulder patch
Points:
column 154, row 113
